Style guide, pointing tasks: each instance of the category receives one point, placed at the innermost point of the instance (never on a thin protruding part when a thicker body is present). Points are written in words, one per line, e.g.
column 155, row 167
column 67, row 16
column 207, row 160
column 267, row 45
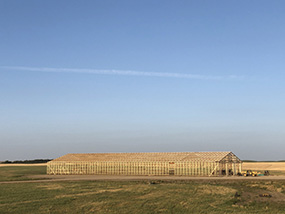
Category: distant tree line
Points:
column 28, row 161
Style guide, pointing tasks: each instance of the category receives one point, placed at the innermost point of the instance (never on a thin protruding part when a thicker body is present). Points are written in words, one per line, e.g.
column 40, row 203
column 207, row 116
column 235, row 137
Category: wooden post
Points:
column 208, row 169
column 199, row 167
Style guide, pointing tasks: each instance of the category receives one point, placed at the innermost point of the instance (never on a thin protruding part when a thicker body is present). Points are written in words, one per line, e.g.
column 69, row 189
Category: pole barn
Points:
column 165, row 163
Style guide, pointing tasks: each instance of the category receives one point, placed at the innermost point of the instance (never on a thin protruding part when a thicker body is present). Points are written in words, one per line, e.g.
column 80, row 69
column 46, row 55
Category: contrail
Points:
column 120, row 72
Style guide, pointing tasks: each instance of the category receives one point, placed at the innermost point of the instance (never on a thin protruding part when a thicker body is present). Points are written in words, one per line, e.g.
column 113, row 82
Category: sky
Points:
column 142, row 76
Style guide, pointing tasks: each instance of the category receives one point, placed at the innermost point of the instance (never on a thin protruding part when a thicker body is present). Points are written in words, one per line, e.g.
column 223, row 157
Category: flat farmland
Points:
column 278, row 166
column 144, row 197
column 129, row 194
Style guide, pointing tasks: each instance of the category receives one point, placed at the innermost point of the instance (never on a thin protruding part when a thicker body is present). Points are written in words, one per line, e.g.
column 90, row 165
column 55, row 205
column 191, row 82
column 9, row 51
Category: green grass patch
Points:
column 142, row 197
column 19, row 173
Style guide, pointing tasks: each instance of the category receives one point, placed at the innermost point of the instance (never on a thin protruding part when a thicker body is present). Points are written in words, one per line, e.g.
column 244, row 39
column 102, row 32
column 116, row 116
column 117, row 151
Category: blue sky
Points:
column 142, row 76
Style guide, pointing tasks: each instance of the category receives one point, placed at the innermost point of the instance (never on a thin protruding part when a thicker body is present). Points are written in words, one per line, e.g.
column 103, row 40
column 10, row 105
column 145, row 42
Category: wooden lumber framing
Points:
column 181, row 164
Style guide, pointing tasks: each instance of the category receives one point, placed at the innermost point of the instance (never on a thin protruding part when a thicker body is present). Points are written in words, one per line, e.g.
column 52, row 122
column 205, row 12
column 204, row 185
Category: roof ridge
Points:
column 144, row 152
column 144, row 156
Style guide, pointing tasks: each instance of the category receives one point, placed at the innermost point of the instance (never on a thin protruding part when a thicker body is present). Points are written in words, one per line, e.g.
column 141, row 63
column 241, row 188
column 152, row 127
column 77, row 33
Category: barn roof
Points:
column 148, row 157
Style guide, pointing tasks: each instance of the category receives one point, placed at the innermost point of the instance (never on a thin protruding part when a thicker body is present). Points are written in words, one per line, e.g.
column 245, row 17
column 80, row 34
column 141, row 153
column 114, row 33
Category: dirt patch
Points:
column 250, row 197
column 55, row 178
column 219, row 190
column 50, row 186
column 269, row 187
column 88, row 193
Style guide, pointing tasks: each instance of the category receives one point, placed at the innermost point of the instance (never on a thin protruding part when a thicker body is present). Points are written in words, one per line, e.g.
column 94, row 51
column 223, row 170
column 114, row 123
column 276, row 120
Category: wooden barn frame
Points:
column 168, row 163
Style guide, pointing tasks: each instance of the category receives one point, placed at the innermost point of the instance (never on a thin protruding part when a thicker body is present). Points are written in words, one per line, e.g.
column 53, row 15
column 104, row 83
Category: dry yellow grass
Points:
column 280, row 166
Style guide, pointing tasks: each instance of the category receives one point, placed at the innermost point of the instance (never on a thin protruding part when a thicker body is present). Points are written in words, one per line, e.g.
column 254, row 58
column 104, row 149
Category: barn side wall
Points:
column 195, row 168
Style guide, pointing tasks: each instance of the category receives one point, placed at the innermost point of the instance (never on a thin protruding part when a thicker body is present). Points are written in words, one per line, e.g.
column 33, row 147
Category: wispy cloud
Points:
column 120, row 72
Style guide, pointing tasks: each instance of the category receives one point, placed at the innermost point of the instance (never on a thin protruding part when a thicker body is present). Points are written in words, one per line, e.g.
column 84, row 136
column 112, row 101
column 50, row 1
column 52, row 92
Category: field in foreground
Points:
column 143, row 197
column 191, row 196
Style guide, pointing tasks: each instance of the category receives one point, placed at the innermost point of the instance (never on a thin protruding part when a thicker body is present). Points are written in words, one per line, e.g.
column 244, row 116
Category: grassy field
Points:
column 215, row 196
column 19, row 173
column 136, row 196
column 142, row 197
